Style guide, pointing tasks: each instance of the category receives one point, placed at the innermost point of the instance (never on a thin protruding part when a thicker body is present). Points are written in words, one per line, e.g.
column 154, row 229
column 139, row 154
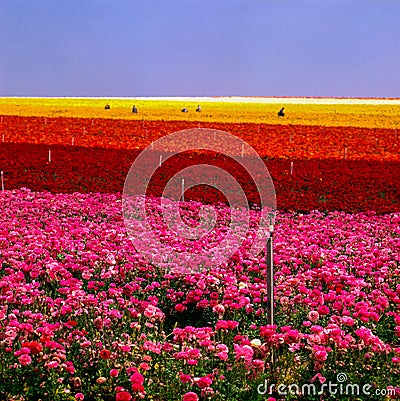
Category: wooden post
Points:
column 270, row 276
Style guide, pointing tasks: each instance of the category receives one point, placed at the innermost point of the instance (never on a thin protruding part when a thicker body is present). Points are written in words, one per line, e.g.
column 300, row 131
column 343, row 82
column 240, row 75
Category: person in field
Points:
column 134, row 110
column 184, row 110
column 198, row 108
column 281, row 113
column 107, row 107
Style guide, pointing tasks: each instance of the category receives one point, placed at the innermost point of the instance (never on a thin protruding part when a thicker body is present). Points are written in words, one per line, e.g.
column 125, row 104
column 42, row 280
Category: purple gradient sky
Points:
column 348, row 48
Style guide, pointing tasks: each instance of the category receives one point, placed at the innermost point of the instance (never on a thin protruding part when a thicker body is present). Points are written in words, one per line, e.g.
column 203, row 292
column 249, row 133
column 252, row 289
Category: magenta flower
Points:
column 203, row 382
column 190, row 396
column 25, row 360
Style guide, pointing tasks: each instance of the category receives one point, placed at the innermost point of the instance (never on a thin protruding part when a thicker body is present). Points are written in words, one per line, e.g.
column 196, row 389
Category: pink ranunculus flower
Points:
column 244, row 352
column 25, row 360
column 137, row 378
column 52, row 364
column 220, row 309
column 320, row 353
column 313, row 316
column 184, row 378
column 203, row 382
column 190, row 396
column 179, row 307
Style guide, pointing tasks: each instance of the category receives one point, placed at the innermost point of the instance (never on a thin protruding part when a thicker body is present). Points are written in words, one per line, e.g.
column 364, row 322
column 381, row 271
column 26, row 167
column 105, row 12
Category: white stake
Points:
column 49, row 155
column 45, row 121
column 3, row 138
column 84, row 130
column 73, row 141
column 92, row 123
column 160, row 160
column 2, row 181
column 2, row 120
column 345, row 153
column 242, row 151
column 183, row 190
column 376, row 141
column 152, row 146
column 291, row 168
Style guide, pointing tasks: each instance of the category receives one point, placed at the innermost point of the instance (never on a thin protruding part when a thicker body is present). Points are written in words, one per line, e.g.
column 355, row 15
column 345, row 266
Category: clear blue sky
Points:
column 347, row 48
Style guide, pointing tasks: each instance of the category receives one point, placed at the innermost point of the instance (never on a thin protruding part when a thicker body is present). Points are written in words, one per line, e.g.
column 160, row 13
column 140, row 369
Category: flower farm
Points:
column 84, row 316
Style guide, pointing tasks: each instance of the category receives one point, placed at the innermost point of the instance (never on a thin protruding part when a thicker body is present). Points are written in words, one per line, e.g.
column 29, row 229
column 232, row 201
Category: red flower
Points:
column 180, row 307
column 105, row 354
column 136, row 387
column 123, row 396
column 34, row 346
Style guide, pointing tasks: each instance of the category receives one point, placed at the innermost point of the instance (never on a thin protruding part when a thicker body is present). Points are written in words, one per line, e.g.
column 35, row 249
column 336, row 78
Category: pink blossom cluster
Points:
column 76, row 296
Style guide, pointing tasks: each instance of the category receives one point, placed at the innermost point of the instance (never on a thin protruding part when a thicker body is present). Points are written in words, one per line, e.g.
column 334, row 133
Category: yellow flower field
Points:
column 328, row 112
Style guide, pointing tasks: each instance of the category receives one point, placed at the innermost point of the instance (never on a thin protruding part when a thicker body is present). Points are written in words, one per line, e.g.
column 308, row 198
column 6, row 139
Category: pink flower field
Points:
column 84, row 316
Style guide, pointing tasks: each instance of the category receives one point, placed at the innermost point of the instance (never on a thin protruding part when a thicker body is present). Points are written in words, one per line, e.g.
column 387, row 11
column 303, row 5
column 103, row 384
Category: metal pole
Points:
column 270, row 276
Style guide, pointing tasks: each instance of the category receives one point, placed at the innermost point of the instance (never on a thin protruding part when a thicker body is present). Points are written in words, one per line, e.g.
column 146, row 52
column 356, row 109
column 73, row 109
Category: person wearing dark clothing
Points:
column 198, row 108
column 184, row 110
column 134, row 109
column 107, row 107
column 281, row 113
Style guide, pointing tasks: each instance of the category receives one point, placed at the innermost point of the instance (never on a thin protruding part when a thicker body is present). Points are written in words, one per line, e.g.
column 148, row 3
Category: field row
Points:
column 313, row 185
column 272, row 141
column 324, row 113
column 82, row 311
